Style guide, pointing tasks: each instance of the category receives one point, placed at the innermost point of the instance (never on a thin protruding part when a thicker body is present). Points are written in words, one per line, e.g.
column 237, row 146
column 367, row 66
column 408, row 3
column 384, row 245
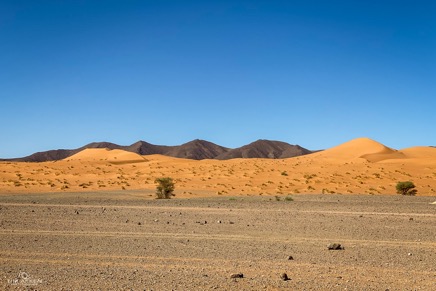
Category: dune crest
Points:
column 419, row 152
column 359, row 148
column 107, row 155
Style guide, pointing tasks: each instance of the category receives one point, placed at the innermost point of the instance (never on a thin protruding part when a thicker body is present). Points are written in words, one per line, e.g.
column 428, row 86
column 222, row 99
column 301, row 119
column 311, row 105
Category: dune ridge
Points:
column 114, row 156
column 365, row 148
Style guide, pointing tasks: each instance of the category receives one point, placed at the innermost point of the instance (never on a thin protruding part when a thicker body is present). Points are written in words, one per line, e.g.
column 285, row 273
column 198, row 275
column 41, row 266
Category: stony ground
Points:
column 118, row 241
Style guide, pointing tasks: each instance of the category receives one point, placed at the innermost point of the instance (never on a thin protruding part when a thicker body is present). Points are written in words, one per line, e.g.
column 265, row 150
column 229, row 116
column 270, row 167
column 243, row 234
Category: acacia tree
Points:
column 165, row 187
column 406, row 188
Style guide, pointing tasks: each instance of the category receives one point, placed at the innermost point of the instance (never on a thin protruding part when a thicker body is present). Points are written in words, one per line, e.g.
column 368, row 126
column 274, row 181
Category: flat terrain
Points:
column 127, row 240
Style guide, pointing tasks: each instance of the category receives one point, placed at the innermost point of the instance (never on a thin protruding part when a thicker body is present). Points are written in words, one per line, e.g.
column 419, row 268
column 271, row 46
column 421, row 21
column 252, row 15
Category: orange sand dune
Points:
column 420, row 152
column 360, row 148
column 107, row 155
column 356, row 167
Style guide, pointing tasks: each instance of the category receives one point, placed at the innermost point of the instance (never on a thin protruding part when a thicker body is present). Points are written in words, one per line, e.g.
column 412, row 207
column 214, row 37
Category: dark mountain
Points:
column 101, row 145
column 265, row 149
column 145, row 148
column 52, row 155
column 195, row 150
column 55, row 155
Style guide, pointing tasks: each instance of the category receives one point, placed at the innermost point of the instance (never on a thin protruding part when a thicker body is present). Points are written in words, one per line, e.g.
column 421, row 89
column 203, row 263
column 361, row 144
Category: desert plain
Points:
column 91, row 222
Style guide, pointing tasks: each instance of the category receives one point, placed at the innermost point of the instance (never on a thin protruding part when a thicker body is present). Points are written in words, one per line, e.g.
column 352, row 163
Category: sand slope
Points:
column 360, row 148
column 357, row 167
column 107, row 155
column 420, row 152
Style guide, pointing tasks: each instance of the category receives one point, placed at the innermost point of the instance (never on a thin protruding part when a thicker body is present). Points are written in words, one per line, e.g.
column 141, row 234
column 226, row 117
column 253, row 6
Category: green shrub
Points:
column 406, row 188
column 165, row 188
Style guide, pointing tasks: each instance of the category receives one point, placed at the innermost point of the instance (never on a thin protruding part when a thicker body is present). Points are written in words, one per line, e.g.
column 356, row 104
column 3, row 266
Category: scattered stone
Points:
column 335, row 246
column 139, row 223
column 231, row 222
column 156, row 220
column 237, row 275
column 284, row 277
column 411, row 218
column 219, row 221
column 290, row 258
column 409, row 254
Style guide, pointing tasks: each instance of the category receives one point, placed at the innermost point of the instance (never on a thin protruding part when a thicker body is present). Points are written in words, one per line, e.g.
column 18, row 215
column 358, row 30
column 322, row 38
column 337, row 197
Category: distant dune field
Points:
column 360, row 166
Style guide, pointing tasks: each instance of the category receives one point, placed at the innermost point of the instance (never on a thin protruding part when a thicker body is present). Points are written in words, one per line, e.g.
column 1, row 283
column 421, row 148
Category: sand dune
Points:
column 420, row 152
column 359, row 166
column 107, row 155
column 360, row 148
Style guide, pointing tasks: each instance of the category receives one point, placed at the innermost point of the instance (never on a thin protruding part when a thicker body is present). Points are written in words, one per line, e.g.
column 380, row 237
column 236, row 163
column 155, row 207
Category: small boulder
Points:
column 335, row 246
column 284, row 277
column 237, row 275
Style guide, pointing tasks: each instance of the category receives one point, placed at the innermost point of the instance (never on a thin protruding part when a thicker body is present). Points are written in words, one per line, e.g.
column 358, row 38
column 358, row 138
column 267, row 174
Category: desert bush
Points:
column 289, row 198
column 165, row 187
column 406, row 188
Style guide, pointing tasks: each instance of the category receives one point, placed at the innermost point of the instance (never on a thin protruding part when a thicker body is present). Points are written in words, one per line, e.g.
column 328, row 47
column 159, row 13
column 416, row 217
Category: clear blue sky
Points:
column 314, row 73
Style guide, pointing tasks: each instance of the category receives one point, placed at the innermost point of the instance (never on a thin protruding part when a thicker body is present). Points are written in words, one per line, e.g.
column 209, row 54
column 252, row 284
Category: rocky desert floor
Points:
column 127, row 240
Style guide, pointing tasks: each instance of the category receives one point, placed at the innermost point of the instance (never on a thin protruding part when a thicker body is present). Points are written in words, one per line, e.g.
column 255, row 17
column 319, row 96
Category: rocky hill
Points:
column 195, row 150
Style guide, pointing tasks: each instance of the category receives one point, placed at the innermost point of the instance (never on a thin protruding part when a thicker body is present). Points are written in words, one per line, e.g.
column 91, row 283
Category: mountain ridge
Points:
column 196, row 149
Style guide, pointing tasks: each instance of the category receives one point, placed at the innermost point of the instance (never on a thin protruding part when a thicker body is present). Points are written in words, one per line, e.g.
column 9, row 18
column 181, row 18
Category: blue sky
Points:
column 314, row 73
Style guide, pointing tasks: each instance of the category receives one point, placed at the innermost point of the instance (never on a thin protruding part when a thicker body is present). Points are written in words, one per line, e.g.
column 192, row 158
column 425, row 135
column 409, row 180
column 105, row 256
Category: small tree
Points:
column 406, row 188
column 165, row 188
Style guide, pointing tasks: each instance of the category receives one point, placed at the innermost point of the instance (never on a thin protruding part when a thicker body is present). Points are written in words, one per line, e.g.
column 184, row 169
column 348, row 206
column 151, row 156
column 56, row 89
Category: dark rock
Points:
column 290, row 258
column 237, row 275
column 284, row 277
column 335, row 246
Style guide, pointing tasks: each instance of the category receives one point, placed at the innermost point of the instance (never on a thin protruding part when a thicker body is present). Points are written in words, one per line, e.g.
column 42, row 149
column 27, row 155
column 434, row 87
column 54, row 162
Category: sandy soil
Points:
column 125, row 240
